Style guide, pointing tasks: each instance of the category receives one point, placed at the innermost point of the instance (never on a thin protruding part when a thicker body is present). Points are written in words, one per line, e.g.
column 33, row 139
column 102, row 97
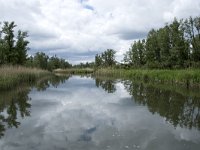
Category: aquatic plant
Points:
column 14, row 75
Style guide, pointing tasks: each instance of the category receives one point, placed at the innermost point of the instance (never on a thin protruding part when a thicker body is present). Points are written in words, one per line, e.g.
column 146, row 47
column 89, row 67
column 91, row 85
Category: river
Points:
column 88, row 113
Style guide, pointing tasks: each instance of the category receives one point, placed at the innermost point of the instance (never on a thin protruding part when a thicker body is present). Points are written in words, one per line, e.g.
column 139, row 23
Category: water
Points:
column 84, row 113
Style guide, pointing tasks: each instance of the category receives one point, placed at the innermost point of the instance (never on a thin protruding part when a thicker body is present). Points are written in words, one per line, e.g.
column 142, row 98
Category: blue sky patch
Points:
column 88, row 7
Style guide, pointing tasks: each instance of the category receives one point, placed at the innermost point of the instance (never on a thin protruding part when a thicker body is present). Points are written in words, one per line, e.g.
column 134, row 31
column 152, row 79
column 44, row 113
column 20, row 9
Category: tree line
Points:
column 43, row 61
column 13, row 50
column 105, row 59
column 176, row 45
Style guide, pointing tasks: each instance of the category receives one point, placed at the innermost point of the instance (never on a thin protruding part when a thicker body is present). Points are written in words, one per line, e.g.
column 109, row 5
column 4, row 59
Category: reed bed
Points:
column 187, row 77
column 11, row 76
column 74, row 71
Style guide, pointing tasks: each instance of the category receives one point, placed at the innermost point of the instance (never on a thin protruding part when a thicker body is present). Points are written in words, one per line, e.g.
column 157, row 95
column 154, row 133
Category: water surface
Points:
column 84, row 113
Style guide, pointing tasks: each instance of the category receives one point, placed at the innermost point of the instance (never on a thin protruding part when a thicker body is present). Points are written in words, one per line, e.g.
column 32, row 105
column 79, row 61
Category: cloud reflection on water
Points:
column 78, row 115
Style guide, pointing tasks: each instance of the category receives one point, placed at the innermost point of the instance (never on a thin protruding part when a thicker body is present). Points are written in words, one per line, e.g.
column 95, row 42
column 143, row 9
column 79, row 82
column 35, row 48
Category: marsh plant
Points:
column 13, row 75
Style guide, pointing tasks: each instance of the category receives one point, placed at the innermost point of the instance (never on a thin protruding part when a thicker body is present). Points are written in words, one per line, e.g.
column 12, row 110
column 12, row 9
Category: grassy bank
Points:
column 173, row 77
column 74, row 71
column 11, row 76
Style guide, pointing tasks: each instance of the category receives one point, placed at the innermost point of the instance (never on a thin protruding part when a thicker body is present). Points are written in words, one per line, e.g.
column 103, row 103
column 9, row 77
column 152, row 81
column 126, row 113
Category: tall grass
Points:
column 185, row 77
column 11, row 76
column 74, row 71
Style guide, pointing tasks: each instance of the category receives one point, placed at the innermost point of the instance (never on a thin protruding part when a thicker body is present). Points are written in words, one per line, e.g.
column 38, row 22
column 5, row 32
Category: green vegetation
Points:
column 177, row 108
column 15, row 103
column 105, row 59
column 181, row 77
column 13, row 51
column 43, row 61
column 169, row 55
column 177, row 105
column 84, row 65
column 175, row 46
column 74, row 71
column 15, row 65
column 11, row 76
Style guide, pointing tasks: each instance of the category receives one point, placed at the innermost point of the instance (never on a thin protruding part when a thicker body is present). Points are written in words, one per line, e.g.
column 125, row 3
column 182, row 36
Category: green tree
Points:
column 165, row 46
column 153, row 55
column 132, row 56
column 54, row 63
column 8, row 31
column 192, row 31
column 176, row 45
column 197, row 37
column 179, row 46
column 21, row 47
column 30, row 62
column 135, row 57
column 108, row 58
column 2, row 50
column 41, row 60
column 98, row 61
column 141, row 52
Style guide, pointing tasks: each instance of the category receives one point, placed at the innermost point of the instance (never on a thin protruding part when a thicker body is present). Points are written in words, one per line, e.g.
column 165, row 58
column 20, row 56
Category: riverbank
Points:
column 189, row 77
column 11, row 76
column 184, row 77
column 74, row 71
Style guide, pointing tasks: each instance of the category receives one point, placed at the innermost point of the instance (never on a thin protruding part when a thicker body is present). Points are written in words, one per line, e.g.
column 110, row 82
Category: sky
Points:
column 77, row 30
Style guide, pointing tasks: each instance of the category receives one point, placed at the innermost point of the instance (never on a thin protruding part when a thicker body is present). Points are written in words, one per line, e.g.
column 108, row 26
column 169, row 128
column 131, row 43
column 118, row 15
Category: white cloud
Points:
column 80, row 26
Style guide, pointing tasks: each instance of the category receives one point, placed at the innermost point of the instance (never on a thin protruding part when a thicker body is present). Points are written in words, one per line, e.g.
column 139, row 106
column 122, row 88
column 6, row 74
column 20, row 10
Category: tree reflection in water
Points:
column 108, row 85
column 15, row 104
column 177, row 108
column 44, row 83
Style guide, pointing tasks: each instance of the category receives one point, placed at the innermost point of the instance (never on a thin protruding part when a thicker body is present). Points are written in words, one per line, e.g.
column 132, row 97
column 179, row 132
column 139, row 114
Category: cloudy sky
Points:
column 78, row 29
